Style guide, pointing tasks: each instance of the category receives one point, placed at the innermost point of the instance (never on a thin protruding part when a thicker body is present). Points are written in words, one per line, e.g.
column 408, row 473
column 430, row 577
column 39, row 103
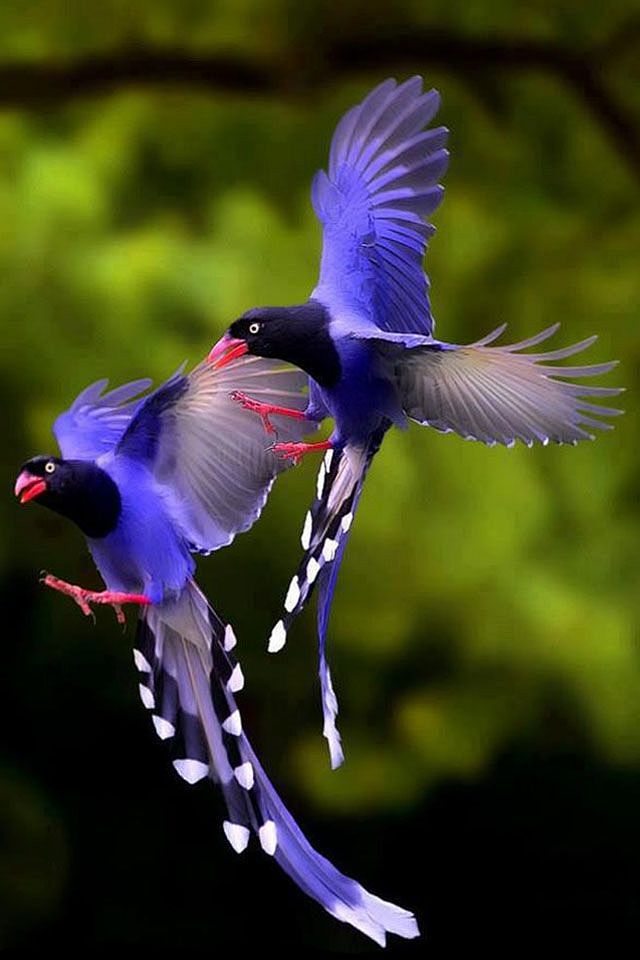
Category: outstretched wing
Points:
column 497, row 394
column 382, row 183
column 211, row 456
column 95, row 421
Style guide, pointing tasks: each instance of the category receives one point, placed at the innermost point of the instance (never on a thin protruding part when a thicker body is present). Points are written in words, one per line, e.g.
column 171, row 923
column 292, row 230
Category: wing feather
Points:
column 499, row 395
column 381, row 185
column 95, row 421
column 211, row 456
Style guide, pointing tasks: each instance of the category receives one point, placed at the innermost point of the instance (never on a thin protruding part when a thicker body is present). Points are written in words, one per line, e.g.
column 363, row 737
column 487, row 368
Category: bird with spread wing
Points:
column 366, row 340
column 151, row 480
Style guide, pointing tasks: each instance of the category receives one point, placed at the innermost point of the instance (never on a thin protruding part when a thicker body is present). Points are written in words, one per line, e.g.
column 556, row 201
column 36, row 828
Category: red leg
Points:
column 296, row 451
column 265, row 409
column 85, row 597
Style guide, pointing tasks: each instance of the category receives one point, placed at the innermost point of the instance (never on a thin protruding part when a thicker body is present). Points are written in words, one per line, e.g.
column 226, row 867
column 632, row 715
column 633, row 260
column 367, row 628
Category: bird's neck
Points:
column 308, row 343
column 91, row 500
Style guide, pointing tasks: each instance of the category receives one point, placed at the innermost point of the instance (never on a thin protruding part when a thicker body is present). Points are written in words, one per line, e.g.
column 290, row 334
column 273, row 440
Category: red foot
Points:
column 296, row 451
column 265, row 409
column 84, row 597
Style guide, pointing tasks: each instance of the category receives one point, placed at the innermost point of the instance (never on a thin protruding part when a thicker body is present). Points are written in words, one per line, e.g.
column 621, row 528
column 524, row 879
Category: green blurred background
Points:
column 155, row 161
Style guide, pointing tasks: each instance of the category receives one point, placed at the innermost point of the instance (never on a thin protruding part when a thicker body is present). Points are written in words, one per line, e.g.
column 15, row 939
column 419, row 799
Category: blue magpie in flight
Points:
column 150, row 481
column 366, row 340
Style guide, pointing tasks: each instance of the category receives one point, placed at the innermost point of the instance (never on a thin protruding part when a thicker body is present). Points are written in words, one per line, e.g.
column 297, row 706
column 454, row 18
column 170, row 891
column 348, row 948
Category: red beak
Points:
column 29, row 487
column 226, row 349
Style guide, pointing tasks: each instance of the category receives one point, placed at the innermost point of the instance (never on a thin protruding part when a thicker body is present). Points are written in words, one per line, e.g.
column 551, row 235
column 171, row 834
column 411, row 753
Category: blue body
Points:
column 146, row 553
column 364, row 397
column 124, row 473
column 368, row 342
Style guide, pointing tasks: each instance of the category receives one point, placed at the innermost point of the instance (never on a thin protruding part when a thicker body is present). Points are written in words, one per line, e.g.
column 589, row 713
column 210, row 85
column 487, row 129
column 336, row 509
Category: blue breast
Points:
column 146, row 552
column 364, row 396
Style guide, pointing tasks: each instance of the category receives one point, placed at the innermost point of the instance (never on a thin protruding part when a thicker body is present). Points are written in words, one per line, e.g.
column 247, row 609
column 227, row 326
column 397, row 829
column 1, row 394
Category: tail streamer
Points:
column 189, row 677
column 324, row 538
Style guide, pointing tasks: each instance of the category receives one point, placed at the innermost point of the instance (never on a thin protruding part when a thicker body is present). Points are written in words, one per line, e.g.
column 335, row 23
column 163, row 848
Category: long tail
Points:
column 188, row 679
column 324, row 538
column 497, row 394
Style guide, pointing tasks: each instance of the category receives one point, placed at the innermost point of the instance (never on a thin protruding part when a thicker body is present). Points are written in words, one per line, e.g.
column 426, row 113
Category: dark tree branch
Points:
column 34, row 86
column 607, row 111
column 49, row 84
column 624, row 40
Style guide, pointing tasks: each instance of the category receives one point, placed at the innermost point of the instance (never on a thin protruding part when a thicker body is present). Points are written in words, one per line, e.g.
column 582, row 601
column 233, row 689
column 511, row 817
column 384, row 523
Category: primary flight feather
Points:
column 151, row 480
column 365, row 338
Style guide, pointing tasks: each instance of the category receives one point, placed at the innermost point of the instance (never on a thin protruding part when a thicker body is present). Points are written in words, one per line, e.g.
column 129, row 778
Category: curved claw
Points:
column 77, row 594
column 296, row 451
column 286, row 452
column 265, row 410
column 262, row 409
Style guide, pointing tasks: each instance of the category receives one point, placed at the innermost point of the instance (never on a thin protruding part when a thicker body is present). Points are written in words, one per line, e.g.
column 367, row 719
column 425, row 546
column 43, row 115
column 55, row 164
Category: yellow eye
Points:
column 49, row 467
column 254, row 327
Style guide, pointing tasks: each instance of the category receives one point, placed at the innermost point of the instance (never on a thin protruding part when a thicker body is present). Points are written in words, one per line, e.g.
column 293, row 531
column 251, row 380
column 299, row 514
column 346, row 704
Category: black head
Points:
column 267, row 331
column 77, row 489
column 299, row 335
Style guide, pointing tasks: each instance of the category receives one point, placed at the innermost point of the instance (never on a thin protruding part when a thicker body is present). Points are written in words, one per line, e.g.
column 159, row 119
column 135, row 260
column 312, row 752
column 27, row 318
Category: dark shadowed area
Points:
column 155, row 162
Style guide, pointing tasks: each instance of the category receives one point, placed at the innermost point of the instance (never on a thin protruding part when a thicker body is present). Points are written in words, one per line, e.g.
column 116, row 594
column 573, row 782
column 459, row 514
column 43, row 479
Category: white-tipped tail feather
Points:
column 190, row 674
column 324, row 536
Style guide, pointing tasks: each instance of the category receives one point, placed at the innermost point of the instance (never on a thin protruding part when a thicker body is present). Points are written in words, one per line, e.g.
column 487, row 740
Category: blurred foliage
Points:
column 488, row 597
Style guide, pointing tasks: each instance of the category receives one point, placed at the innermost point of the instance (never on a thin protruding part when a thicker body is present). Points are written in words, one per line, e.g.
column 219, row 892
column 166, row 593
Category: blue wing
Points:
column 382, row 183
column 95, row 421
